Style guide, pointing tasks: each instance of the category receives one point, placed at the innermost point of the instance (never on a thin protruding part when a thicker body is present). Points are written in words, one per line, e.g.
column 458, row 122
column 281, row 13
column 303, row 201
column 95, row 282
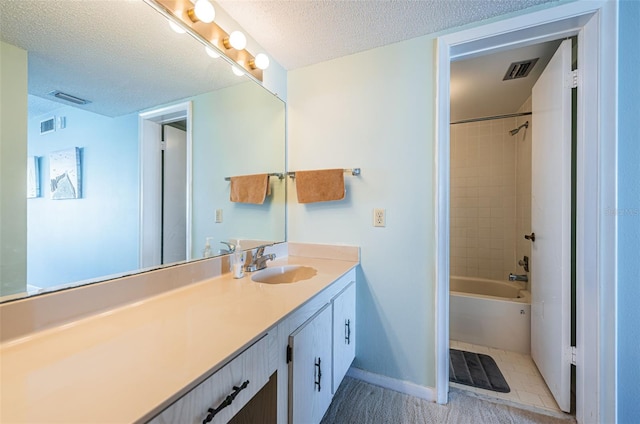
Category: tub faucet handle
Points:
column 524, row 262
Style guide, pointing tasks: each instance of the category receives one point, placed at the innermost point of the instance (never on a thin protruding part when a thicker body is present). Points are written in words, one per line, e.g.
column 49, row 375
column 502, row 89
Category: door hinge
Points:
column 163, row 145
column 289, row 354
column 573, row 355
column 572, row 80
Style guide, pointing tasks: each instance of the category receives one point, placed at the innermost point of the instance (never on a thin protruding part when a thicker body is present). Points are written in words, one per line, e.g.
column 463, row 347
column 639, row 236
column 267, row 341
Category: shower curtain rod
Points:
column 489, row 118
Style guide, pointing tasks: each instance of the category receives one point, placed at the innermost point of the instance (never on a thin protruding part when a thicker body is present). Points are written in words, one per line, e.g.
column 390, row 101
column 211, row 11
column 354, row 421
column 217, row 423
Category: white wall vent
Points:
column 519, row 69
column 48, row 125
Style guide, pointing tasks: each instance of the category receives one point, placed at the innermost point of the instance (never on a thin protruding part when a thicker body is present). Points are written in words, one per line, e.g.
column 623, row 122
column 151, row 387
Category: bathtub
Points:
column 490, row 313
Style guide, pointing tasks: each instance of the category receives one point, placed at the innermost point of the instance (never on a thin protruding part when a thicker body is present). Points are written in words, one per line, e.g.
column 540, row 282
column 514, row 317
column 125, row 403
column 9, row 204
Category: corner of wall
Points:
column 13, row 178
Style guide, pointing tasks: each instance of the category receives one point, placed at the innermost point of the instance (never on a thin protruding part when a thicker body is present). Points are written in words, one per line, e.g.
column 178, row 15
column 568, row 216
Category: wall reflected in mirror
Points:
column 125, row 61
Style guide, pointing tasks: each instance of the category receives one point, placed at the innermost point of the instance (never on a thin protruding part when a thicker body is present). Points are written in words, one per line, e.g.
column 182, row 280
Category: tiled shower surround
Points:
column 490, row 197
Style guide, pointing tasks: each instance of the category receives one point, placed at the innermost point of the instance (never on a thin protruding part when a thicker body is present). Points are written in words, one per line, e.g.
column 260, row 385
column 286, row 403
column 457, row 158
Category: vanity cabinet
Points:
column 201, row 348
column 320, row 351
column 311, row 350
column 344, row 333
column 310, row 368
column 239, row 380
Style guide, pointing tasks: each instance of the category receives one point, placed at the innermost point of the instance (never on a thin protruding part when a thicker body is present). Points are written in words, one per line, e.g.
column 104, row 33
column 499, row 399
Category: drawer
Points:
column 252, row 365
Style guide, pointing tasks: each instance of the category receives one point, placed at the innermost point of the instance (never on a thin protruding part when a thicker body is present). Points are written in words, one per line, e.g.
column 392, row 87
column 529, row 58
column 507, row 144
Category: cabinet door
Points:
column 310, row 369
column 344, row 333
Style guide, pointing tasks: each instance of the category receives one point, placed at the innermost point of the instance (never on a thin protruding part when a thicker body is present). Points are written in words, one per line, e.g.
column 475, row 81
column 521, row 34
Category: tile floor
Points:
column 528, row 388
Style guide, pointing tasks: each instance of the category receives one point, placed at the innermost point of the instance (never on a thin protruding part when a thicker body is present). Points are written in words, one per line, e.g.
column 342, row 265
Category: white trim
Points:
column 401, row 386
column 599, row 250
column 149, row 246
column 442, row 184
column 596, row 25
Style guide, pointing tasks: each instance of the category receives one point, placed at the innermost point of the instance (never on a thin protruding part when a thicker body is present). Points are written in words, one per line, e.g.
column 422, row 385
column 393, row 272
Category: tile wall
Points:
column 523, row 186
column 488, row 191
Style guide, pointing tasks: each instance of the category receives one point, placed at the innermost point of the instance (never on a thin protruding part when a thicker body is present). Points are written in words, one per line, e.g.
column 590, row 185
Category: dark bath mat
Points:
column 476, row 370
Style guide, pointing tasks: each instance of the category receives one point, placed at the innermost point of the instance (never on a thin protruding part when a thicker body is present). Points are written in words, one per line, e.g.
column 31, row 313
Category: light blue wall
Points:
column 368, row 110
column 97, row 235
column 628, row 213
column 375, row 110
column 237, row 130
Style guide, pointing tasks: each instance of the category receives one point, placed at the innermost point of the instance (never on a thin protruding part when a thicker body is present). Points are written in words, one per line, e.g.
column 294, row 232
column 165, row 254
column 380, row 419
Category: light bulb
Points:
column 238, row 40
column 237, row 70
column 177, row 28
column 205, row 11
column 214, row 54
column 261, row 61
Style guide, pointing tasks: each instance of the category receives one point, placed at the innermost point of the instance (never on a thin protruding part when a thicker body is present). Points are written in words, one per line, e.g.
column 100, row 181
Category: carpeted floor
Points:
column 358, row 402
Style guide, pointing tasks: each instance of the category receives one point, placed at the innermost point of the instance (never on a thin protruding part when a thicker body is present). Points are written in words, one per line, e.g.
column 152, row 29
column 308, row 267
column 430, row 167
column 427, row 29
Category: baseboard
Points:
column 406, row 387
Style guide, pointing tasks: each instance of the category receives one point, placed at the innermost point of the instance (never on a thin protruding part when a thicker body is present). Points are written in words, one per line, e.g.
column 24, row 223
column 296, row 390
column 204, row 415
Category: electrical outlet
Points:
column 218, row 216
column 379, row 219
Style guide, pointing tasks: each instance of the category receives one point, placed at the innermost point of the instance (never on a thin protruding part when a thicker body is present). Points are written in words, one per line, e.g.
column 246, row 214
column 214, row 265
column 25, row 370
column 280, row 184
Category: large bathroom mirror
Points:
column 143, row 83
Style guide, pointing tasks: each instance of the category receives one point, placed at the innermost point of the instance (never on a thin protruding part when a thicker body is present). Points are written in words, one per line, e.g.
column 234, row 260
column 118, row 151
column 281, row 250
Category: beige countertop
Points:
column 127, row 364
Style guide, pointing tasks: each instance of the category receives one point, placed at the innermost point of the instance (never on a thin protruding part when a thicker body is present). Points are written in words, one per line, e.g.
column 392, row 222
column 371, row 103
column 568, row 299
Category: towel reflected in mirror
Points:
column 250, row 188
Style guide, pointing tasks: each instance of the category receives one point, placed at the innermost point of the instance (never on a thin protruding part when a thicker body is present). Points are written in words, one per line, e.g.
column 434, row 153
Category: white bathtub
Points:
column 490, row 313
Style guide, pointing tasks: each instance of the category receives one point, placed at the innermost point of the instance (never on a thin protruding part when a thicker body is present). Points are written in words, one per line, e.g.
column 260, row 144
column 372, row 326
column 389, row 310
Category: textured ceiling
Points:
column 300, row 33
column 119, row 54
column 122, row 56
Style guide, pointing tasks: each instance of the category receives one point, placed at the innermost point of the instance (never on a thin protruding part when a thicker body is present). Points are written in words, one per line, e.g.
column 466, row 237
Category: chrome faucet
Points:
column 230, row 248
column 259, row 260
column 514, row 277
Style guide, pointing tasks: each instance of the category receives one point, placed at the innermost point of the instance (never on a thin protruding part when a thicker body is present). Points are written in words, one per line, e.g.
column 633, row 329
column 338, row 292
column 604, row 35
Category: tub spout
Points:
column 514, row 277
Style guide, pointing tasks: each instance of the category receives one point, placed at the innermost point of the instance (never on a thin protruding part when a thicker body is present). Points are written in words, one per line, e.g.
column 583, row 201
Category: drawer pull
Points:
column 226, row 402
column 318, row 374
column 347, row 331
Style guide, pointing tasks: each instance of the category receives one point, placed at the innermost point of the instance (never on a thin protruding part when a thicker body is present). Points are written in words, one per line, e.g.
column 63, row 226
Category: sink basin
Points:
column 286, row 274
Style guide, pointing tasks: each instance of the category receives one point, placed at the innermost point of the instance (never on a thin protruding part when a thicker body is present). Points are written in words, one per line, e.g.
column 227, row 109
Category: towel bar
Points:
column 280, row 176
column 353, row 171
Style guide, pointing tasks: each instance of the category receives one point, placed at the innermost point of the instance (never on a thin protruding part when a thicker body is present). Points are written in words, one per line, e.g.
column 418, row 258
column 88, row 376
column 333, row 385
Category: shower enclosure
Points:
column 491, row 196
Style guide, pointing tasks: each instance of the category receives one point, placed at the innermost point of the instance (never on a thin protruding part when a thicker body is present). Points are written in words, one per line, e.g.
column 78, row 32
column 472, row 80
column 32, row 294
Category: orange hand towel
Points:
column 320, row 186
column 250, row 188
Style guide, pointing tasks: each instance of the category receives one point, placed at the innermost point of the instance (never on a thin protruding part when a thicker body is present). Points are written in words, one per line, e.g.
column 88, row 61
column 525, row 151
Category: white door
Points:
column 151, row 182
column 551, row 223
column 174, row 196
column 150, row 193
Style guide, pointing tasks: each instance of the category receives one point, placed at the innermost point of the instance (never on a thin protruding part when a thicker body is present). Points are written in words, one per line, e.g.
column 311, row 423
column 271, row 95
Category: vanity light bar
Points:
column 209, row 34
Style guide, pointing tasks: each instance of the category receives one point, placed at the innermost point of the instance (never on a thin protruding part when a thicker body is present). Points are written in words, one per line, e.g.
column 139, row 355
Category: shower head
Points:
column 515, row 131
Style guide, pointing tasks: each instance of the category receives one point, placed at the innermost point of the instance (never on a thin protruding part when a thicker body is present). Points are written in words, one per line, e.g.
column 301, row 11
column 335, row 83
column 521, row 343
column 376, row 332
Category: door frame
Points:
column 596, row 25
column 149, row 124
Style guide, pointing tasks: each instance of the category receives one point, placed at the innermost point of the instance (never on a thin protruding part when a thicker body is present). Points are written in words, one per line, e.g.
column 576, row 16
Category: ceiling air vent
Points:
column 48, row 125
column 519, row 69
column 69, row 97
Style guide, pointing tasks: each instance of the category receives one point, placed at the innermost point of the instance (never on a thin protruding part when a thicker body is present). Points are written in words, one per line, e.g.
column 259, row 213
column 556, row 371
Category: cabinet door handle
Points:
column 317, row 374
column 226, row 402
column 347, row 331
